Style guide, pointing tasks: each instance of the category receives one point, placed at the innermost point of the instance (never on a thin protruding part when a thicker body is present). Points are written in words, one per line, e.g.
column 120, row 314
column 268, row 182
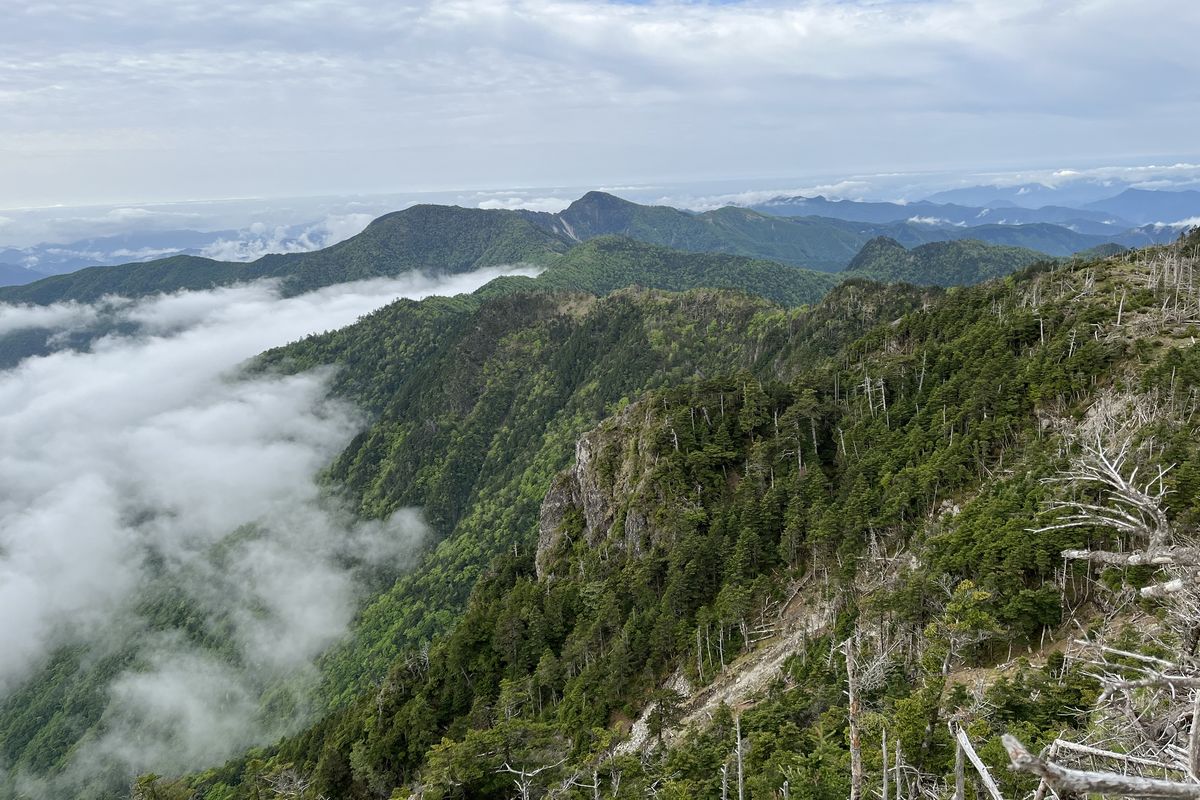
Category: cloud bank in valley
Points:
column 146, row 468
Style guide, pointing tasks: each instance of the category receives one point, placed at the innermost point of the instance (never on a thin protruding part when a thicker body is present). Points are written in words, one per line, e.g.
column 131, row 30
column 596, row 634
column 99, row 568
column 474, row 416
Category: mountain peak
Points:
column 874, row 249
column 598, row 200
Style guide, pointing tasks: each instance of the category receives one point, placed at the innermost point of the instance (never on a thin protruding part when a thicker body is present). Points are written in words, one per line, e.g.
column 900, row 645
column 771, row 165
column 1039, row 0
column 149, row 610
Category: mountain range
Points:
column 811, row 232
column 678, row 501
column 661, row 515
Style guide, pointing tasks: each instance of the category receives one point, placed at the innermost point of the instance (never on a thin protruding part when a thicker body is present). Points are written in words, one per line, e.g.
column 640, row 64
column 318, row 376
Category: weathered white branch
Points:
column 1073, row 781
column 1174, row 556
column 980, row 767
column 1097, row 752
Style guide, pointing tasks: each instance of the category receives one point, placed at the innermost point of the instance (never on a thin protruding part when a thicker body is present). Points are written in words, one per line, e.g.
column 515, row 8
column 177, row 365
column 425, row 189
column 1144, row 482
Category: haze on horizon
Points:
column 131, row 100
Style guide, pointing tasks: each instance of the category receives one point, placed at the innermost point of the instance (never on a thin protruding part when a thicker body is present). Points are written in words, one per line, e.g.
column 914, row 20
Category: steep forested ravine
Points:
column 868, row 479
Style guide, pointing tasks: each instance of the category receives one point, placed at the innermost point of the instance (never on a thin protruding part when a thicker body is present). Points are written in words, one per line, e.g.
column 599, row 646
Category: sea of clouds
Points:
column 150, row 463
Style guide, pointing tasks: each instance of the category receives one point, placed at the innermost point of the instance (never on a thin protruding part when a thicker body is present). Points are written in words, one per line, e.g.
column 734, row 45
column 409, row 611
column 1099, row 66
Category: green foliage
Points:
column 725, row 448
column 443, row 239
column 956, row 263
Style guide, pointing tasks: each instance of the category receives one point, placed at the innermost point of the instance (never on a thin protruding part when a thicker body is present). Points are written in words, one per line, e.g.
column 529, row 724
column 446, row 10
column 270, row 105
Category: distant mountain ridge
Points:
column 452, row 239
column 829, row 242
column 1095, row 222
column 1149, row 207
column 13, row 275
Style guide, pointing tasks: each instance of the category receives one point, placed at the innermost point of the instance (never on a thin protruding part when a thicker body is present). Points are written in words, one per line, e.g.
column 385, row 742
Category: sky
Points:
column 114, row 101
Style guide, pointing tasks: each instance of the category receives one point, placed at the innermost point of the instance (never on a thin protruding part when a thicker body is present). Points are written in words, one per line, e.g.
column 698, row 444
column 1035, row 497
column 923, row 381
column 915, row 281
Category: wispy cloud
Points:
column 257, row 241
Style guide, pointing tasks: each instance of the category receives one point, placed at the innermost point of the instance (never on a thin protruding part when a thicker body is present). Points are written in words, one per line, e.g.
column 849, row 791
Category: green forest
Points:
column 709, row 526
column 645, row 496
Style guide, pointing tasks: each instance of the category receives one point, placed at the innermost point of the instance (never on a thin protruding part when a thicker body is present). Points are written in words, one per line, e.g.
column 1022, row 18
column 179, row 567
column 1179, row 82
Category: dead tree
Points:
column 1065, row 781
column 1145, row 725
column 523, row 778
column 1134, row 510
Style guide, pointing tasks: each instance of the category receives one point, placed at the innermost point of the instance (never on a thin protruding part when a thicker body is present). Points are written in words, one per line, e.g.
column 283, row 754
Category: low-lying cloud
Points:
column 147, row 470
column 259, row 240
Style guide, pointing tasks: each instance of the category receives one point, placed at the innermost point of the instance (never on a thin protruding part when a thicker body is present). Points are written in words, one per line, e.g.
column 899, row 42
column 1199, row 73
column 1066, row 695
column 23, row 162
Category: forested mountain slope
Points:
column 871, row 472
column 449, row 239
column 597, row 266
column 443, row 239
column 816, row 242
column 483, row 395
column 958, row 263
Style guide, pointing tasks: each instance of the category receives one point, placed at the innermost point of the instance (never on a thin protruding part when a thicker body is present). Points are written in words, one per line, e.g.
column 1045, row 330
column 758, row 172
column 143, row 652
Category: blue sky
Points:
column 139, row 100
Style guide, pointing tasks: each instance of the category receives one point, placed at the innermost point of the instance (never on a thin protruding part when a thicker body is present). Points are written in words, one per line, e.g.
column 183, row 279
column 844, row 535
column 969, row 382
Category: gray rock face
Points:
column 610, row 470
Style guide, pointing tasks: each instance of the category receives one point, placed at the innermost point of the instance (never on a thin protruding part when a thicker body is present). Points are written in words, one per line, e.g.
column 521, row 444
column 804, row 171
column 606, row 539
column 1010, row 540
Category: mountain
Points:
column 959, row 263
column 445, row 239
column 1149, row 207
column 449, row 239
column 830, row 242
column 1072, row 193
column 59, row 258
column 815, row 244
column 1098, row 223
column 12, row 275
column 659, row 518
column 667, row 518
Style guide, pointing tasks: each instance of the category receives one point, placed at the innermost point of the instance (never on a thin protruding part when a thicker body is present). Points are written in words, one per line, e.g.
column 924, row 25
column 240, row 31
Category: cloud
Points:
column 257, row 241
column 64, row 317
column 935, row 221
column 277, row 98
column 1190, row 222
column 550, row 204
column 148, row 465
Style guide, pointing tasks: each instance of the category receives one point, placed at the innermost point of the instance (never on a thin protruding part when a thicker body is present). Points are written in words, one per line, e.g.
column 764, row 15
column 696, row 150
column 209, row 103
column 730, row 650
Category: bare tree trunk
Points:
column 856, row 768
column 960, row 778
column 741, row 786
column 964, row 745
column 1194, row 738
column 896, row 772
column 884, row 764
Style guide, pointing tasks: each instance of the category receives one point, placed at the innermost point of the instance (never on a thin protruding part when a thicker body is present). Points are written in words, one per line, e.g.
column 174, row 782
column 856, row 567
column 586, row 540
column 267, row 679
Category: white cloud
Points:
column 280, row 98
column 1190, row 222
column 550, row 204
column 257, row 241
column 64, row 317
column 934, row 221
column 147, row 449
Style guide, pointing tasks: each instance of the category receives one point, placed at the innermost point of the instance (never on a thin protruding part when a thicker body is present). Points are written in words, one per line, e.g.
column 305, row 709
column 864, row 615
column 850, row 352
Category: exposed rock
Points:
column 612, row 468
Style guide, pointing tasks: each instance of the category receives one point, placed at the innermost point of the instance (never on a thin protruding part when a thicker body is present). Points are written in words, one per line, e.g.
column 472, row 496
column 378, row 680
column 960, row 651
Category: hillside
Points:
column 449, row 239
column 958, row 263
column 609, row 262
column 442, row 239
column 884, row 480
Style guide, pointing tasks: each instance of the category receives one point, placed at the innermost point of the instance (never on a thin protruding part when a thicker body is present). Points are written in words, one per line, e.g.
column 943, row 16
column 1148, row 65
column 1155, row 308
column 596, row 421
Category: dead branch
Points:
column 1072, row 781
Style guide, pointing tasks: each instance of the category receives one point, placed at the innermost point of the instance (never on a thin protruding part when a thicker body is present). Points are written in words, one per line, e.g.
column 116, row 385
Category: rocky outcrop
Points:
column 596, row 497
